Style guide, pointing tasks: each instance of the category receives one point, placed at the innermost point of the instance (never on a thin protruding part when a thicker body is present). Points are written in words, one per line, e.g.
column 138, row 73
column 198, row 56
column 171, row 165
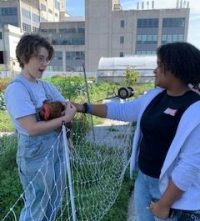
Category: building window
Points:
column 81, row 30
column 26, row 13
column 36, row 18
column 8, row 11
column 148, row 52
column 57, row 62
column 51, row 30
column 1, row 57
column 26, row 27
column 122, row 23
column 57, row 4
column 68, row 30
column 68, row 41
column 75, row 55
column 147, row 39
column 74, row 60
column 42, row 19
column 121, row 54
column 43, row 7
column 147, row 23
column 172, row 38
column 121, row 39
column 0, row 35
column 50, row 11
column 174, row 22
column 35, row 29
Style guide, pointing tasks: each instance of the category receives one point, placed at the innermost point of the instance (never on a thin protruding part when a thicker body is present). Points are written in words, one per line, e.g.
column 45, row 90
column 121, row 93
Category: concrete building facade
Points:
column 20, row 16
column 106, row 31
column 113, row 32
column 68, row 39
column 8, row 43
column 28, row 14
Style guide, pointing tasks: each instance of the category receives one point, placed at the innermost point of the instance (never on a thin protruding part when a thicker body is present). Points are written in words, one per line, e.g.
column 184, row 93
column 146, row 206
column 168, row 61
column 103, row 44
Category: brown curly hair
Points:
column 29, row 46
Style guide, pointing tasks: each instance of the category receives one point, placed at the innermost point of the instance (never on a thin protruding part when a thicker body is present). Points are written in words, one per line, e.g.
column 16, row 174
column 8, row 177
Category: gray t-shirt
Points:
column 19, row 103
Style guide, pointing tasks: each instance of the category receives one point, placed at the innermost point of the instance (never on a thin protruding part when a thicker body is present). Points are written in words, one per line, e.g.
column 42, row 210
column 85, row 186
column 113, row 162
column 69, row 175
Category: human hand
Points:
column 79, row 107
column 69, row 112
column 159, row 210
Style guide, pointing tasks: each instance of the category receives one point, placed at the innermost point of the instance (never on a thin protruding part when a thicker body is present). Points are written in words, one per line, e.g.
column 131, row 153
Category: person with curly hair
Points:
column 166, row 144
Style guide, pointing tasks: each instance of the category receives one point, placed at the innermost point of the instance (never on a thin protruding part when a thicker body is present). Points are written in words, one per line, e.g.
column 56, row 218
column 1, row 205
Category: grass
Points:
column 5, row 122
column 11, row 188
column 9, row 182
column 118, row 212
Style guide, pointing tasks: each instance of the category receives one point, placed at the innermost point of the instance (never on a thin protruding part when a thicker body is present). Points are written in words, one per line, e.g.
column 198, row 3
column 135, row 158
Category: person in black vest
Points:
column 166, row 144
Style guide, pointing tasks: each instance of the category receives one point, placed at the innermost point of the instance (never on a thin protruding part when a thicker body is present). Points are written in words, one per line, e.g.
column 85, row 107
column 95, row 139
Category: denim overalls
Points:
column 42, row 171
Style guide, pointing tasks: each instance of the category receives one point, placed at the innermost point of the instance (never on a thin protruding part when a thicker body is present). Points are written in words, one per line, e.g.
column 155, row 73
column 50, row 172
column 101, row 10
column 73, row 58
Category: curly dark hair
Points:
column 29, row 46
column 182, row 60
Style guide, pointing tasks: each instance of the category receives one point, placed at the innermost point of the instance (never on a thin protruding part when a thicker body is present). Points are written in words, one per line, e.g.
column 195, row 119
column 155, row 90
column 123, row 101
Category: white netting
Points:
column 98, row 162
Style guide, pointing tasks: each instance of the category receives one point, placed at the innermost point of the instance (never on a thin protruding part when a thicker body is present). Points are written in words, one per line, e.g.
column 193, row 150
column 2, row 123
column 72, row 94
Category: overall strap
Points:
column 23, row 81
column 46, row 89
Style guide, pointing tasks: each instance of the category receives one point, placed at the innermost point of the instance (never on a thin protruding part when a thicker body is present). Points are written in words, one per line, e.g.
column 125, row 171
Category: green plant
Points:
column 131, row 77
column 140, row 89
column 70, row 87
column 91, row 180
column 2, row 102
column 118, row 211
column 100, row 91
column 3, row 83
column 9, row 180
column 5, row 122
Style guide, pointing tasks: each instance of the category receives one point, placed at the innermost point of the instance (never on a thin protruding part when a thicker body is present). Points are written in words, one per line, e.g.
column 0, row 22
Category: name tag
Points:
column 170, row 111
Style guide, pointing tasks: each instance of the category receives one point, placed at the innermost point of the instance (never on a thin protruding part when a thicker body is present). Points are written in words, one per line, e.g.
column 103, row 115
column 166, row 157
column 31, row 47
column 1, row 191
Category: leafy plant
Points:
column 9, row 180
column 140, row 89
column 70, row 87
column 5, row 122
column 131, row 77
column 3, row 83
column 2, row 102
column 118, row 212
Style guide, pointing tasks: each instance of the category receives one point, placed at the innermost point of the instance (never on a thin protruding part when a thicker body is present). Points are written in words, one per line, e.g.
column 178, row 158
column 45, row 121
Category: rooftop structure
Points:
column 113, row 69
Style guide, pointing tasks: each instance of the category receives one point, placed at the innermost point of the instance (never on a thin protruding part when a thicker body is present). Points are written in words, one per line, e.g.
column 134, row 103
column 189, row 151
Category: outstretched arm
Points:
column 99, row 110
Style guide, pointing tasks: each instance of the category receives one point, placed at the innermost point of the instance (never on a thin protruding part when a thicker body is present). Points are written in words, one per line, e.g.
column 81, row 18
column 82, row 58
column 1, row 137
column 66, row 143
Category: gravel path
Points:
column 111, row 133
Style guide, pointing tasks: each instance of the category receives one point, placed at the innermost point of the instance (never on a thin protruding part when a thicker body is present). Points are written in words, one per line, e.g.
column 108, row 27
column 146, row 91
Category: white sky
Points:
column 194, row 20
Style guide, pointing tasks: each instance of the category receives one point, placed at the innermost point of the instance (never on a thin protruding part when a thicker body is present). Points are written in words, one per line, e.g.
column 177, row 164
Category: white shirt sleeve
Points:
column 187, row 169
column 128, row 111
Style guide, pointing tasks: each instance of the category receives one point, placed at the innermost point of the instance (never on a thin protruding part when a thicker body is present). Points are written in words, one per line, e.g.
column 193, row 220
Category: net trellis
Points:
column 97, row 167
